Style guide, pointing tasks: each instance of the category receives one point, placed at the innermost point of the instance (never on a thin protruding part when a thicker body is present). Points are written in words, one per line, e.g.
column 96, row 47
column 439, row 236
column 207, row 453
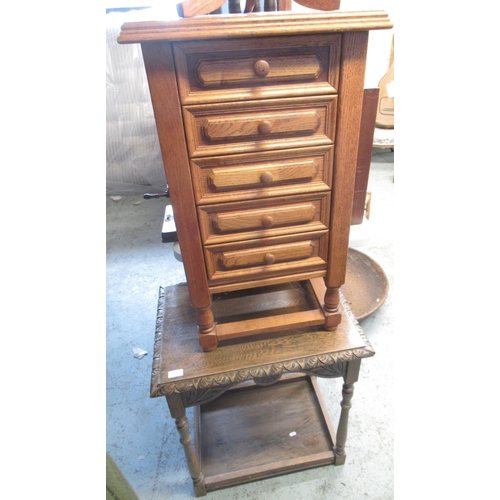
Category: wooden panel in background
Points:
column 366, row 132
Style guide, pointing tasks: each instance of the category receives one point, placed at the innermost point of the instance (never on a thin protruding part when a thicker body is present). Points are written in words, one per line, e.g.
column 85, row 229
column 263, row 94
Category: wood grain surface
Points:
column 263, row 431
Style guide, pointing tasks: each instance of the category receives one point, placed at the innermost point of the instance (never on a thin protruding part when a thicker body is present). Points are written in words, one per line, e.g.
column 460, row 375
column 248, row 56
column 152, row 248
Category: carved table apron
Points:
column 187, row 376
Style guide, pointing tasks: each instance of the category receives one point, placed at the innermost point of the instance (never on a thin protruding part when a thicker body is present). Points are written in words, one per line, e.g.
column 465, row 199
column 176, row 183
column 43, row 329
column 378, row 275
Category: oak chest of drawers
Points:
column 258, row 117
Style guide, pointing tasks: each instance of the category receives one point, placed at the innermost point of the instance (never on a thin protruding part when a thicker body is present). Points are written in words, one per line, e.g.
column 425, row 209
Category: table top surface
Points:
column 180, row 364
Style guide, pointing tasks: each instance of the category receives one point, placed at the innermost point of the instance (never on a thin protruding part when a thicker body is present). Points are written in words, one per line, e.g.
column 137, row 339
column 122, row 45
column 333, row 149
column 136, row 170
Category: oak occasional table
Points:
column 258, row 410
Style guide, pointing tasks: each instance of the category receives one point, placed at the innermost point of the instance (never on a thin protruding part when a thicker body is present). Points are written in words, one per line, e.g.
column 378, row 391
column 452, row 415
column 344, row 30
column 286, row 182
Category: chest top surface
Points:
column 232, row 26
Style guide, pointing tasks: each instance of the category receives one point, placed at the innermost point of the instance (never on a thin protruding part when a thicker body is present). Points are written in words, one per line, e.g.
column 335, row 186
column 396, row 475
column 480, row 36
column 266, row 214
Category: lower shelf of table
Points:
column 254, row 432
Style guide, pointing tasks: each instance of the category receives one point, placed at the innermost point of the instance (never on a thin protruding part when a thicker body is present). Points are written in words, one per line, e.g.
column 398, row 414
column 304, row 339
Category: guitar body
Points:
column 320, row 4
column 385, row 110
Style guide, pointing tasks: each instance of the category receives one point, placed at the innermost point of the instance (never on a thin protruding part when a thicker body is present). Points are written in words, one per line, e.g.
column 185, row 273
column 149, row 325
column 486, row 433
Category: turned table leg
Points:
column 350, row 378
column 178, row 412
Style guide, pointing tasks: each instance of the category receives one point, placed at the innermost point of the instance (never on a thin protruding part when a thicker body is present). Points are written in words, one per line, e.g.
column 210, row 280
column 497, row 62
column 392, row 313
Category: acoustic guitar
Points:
column 385, row 109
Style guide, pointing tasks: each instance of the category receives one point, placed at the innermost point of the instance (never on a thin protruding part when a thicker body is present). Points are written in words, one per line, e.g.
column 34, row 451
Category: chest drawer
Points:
column 266, row 258
column 250, row 69
column 259, row 125
column 263, row 218
column 262, row 175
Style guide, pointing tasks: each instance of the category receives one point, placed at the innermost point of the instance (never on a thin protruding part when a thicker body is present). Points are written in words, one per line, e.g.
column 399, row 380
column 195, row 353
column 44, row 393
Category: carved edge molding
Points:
column 155, row 371
column 203, row 389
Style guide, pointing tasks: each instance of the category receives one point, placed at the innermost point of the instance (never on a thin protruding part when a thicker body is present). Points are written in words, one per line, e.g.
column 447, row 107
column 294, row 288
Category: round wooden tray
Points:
column 366, row 285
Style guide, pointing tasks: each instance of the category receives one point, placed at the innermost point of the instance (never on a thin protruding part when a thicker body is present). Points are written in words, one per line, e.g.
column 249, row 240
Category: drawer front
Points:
column 266, row 258
column 262, row 175
column 276, row 254
column 257, row 68
column 259, row 125
column 263, row 218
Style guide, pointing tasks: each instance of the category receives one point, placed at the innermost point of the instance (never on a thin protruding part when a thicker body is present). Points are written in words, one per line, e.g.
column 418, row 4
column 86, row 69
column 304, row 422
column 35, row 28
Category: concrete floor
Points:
column 141, row 436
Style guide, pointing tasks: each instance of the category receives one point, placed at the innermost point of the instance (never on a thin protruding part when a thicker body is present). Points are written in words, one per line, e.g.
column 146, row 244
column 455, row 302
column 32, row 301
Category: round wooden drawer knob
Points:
column 261, row 68
column 264, row 127
column 266, row 178
column 269, row 258
column 267, row 221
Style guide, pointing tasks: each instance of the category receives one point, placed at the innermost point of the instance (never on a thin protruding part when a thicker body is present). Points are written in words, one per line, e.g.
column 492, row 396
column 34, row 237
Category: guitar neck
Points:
column 385, row 110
